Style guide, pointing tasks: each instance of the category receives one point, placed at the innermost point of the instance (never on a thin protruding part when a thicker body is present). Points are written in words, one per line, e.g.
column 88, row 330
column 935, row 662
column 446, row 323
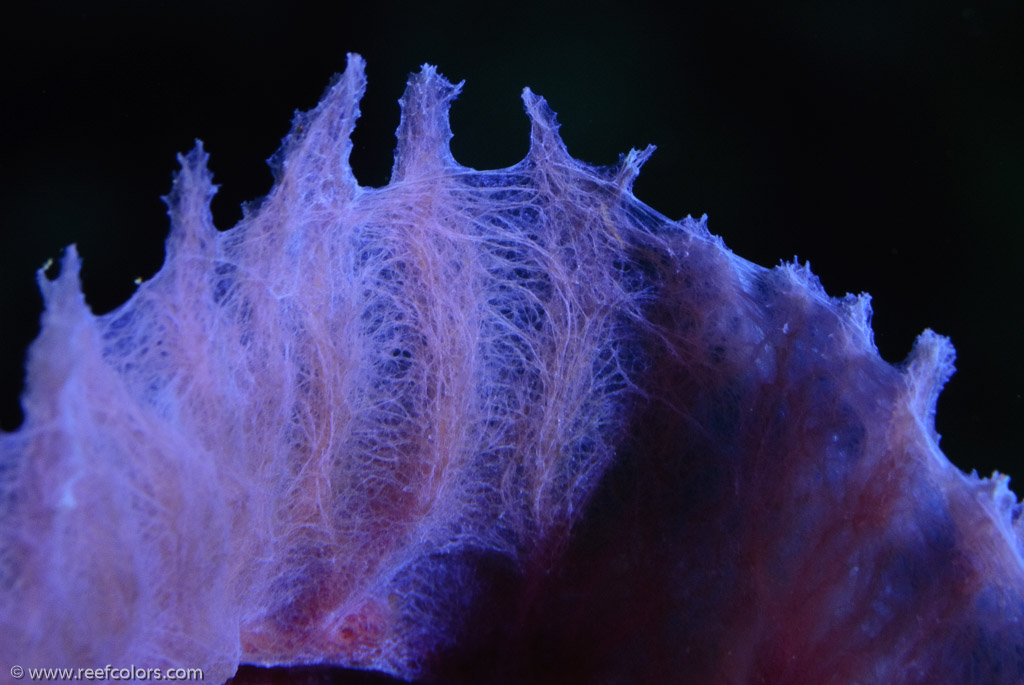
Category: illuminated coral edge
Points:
column 423, row 143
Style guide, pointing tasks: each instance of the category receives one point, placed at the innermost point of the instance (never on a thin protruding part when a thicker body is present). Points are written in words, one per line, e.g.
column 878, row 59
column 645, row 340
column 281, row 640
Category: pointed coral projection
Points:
column 498, row 426
column 424, row 132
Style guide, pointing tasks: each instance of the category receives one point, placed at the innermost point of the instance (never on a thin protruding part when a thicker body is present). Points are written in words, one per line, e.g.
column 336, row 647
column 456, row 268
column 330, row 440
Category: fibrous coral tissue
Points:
column 502, row 426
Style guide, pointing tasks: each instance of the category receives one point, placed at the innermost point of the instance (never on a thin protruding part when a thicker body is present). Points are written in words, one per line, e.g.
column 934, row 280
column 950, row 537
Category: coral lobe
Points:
column 503, row 426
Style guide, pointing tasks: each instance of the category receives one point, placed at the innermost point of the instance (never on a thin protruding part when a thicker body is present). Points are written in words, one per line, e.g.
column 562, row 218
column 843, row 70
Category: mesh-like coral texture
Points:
column 491, row 425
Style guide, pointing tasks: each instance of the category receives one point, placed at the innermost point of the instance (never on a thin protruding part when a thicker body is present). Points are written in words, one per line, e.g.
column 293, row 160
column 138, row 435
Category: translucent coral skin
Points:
column 504, row 426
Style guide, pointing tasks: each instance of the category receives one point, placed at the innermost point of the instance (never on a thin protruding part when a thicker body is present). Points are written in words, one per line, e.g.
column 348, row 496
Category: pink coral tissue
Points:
column 489, row 426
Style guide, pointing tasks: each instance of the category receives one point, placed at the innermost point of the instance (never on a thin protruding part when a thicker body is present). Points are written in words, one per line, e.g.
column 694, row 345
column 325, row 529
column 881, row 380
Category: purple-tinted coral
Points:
column 501, row 426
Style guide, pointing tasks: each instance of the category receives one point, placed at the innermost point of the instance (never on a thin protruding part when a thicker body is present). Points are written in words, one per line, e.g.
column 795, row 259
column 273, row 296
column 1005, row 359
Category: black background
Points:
column 882, row 141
